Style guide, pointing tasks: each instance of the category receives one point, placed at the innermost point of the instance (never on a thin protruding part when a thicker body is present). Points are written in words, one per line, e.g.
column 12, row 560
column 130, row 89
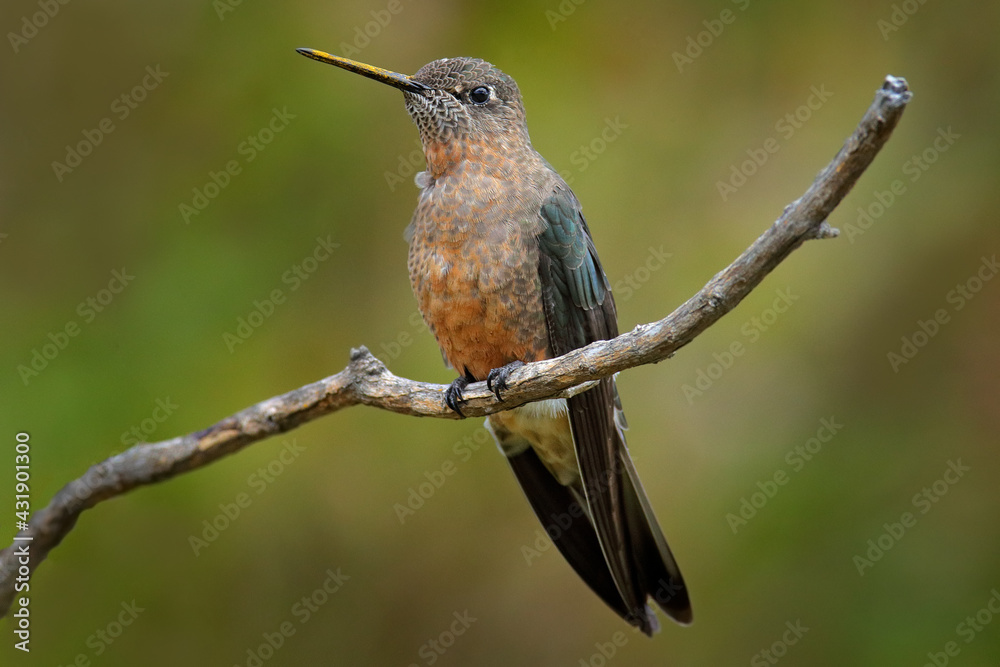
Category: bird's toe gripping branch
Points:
column 496, row 381
column 453, row 396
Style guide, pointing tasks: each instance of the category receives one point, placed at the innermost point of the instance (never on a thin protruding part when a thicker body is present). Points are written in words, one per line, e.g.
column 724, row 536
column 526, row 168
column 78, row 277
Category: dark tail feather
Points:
column 636, row 551
column 566, row 523
column 659, row 574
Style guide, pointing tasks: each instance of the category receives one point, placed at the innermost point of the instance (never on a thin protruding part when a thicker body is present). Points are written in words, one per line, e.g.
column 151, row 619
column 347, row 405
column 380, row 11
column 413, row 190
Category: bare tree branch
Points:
column 367, row 381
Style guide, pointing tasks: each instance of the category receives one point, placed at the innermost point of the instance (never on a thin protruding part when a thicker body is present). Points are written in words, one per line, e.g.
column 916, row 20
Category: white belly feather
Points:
column 544, row 425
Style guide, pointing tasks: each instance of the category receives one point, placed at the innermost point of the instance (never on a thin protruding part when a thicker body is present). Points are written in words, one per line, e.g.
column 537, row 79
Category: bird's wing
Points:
column 580, row 309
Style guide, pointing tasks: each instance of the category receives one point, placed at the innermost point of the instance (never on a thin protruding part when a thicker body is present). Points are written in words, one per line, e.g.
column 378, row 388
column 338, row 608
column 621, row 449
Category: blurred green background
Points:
column 155, row 357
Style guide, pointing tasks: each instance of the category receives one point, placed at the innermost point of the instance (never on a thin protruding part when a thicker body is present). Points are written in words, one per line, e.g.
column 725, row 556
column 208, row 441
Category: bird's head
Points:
column 453, row 101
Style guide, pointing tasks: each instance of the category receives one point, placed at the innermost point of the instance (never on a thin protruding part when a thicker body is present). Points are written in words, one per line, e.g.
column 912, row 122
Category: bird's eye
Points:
column 479, row 95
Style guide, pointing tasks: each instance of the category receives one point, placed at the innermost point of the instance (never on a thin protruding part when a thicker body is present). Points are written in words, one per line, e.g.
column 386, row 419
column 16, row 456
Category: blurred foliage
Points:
column 654, row 187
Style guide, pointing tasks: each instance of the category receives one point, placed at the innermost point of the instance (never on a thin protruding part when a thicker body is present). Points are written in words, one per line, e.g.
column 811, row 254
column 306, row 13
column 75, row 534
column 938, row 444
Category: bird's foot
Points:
column 496, row 381
column 453, row 396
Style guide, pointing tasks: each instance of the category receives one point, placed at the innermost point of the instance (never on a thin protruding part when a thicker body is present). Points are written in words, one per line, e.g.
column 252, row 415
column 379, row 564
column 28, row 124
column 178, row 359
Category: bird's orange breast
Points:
column 474, row 270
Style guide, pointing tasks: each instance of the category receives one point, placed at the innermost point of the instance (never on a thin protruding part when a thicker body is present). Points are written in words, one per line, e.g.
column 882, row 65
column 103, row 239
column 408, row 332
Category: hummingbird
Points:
column 505, row 272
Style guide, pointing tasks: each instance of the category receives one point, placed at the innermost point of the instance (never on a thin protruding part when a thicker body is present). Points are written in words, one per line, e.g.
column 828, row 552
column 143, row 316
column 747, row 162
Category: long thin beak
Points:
column 394, row 79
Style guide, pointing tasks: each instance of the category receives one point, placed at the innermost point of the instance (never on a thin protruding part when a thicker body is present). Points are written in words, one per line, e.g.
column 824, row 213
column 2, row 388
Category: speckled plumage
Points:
column 505, row 271
column 473, row 258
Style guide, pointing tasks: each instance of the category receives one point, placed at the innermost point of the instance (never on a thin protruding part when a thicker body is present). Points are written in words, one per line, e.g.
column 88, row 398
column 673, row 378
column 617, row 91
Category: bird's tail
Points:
column 659, row 576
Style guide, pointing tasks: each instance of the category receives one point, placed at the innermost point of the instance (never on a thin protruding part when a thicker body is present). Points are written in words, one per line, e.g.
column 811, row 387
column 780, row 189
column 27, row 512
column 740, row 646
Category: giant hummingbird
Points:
column 505, row 272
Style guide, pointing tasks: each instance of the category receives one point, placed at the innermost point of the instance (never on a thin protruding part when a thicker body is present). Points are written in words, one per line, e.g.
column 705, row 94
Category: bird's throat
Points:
column 442, row 157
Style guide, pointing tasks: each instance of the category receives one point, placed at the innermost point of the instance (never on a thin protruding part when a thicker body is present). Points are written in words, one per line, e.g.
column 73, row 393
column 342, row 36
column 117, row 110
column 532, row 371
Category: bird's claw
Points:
column 453, row 395
column 496, row 381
